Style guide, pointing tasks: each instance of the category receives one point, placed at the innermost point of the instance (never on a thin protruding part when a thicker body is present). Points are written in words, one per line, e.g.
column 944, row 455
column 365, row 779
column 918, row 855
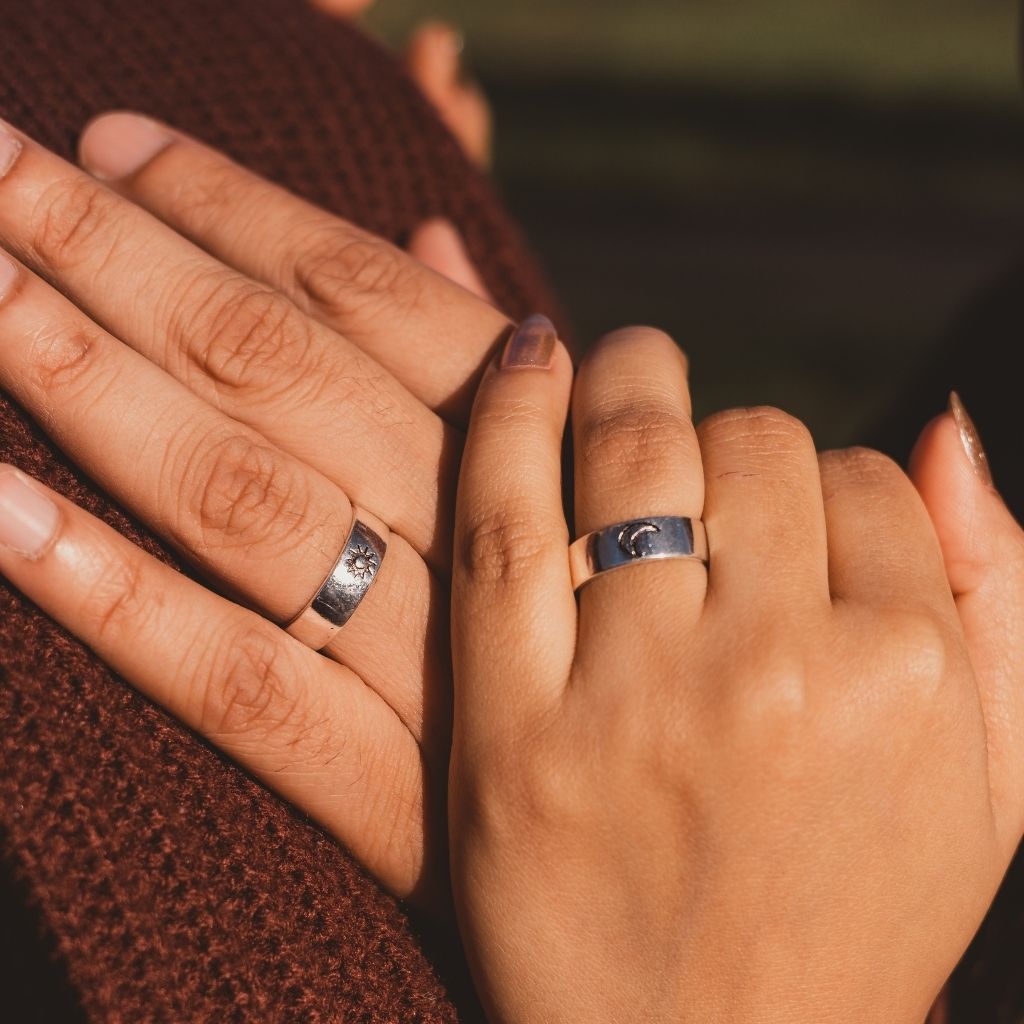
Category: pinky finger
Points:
column 305, row 725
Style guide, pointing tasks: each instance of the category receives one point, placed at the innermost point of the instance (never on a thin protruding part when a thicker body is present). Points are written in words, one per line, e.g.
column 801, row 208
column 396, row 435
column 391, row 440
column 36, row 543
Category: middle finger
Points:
column 238, row 344
column 265, row 526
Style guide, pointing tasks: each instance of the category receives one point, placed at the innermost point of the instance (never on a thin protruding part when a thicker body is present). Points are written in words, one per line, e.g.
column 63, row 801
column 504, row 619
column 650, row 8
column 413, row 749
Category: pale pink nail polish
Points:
column 118, row 145
column 28, row 519
column 10, row 150
column 8, row 276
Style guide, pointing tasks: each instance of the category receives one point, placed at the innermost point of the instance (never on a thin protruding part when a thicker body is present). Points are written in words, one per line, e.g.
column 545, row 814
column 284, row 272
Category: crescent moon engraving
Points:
column 631, row 533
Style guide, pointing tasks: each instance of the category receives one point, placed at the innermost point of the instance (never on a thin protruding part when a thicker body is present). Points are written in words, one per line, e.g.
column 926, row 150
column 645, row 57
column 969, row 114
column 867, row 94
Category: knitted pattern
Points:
column 145, row 877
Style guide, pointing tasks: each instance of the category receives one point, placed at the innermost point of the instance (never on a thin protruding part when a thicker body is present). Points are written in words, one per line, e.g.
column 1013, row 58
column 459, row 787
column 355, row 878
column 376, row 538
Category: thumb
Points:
column 983, row 548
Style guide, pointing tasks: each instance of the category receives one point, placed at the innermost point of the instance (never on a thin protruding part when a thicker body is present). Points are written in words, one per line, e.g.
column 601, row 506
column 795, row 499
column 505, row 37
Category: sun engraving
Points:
column 362, row 563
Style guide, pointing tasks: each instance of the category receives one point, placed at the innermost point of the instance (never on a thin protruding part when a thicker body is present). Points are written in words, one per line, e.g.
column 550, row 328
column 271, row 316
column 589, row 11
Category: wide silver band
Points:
column 338, row 597
column 636, row 541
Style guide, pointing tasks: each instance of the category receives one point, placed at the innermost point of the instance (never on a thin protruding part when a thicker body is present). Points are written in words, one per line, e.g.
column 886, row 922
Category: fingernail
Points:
column 28, row 519
column 118, row 145
column 8, row 276
column 971, row 439
column 532, row 344
column 10, row 150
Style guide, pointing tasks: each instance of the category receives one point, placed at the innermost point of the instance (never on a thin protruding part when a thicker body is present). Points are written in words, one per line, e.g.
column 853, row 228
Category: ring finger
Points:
column 267, row 527
column 637, row 456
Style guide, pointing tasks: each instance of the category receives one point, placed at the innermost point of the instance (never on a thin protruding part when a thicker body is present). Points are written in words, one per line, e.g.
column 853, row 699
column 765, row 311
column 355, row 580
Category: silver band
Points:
column 338, row 597
column 636, row 541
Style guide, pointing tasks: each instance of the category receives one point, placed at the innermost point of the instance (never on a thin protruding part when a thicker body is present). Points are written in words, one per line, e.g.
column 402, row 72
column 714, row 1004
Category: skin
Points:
column 782, row 789
column 207, row 348
column 239, row 361
column 433, row 57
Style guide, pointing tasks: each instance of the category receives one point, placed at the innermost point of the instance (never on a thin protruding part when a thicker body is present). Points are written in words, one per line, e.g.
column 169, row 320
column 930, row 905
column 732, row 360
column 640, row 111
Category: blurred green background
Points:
column 803, row 192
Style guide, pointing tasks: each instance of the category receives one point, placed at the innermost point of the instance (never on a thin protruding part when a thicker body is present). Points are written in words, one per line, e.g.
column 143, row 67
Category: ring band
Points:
column 338, row 597
column 655, row 537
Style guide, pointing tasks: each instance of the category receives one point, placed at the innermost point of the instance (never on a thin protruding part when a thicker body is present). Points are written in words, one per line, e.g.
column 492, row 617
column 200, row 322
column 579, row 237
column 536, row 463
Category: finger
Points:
column 240, row 346
column 514, row 617
column 262, row 524
column 367, row 289
column 434, row 59
column 763, row 511
column 343, row 8
column 636, row 456
column 881, row 545
column 304, row 725
column 437, row 244
column 983, row 552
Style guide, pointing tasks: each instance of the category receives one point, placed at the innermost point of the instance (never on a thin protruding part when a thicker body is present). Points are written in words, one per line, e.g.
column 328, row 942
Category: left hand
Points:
column 782, row 788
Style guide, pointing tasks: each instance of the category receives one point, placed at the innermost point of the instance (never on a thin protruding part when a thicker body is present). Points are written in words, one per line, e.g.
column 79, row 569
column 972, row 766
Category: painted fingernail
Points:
column 10, row 150
column 971, row 439
column 532, row 345
column 8, row 276
column 28, row 519
column 118, row 145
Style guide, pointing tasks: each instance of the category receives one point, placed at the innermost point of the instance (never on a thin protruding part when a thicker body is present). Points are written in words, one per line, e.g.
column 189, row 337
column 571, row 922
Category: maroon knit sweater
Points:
column 143, row 877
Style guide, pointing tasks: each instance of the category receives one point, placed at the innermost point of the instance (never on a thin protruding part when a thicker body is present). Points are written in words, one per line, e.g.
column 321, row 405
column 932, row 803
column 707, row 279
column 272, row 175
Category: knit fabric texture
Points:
column 143, row 877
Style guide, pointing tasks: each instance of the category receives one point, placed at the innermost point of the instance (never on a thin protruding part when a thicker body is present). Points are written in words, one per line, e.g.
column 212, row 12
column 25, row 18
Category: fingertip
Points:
column 434, row 51
column 438, row 244
column 343, row 8
column 118, row 143
column 969, row 516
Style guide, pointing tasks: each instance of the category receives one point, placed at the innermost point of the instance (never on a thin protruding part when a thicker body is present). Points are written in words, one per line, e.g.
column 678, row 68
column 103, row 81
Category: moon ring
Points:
column 639, row 540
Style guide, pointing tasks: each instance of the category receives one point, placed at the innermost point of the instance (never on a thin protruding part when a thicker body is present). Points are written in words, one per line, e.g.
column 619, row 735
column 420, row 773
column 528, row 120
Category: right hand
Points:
column 237, row 368
column 781, row 789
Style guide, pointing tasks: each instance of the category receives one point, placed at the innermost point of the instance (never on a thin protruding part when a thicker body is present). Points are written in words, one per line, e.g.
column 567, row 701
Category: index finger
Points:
column 513, row 610
column 361, row 285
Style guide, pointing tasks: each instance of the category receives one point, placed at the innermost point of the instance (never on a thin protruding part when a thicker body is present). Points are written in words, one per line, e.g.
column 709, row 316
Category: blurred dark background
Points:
column 804, row 193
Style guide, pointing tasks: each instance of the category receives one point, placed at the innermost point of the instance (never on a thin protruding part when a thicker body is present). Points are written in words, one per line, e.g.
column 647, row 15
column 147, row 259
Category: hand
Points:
column 238, row 393
column 782, row 789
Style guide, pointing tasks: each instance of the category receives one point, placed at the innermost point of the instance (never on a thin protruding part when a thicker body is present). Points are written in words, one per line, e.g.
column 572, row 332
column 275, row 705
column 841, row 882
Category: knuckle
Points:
column 639, row 433
column 547, row 792
column 858, row 467
column 116, row 603
column 253, row 339
column 760, row 428
column 650, row 339
column 345, row 274
column 768, row 693
column 63, row 363
column 70, row 218
column 501, row 546
column 916, row 650
column 250, row 689
column 248, row 497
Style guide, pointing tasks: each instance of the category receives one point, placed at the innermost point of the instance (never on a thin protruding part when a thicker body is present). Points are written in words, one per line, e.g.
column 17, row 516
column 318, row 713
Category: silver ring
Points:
column 338, row 597
column 636, row 541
